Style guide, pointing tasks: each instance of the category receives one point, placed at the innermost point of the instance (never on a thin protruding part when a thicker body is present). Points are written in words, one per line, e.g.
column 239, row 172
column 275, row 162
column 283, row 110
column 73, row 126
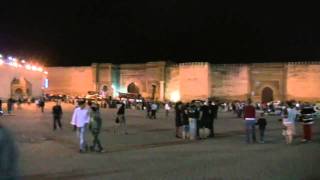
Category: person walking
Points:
column 95, row 128
column 154, row 108
column 178, row 118
column 185, row 122
column 10, row 103
column 42, row 104
column 204, row 116
column 167, row 108
column 57, row 114
column 262, row 123
column 193, row 115
column 250, row 121
column 148, row 110
column 213, row 108
column 80, row 119
column 122, row 119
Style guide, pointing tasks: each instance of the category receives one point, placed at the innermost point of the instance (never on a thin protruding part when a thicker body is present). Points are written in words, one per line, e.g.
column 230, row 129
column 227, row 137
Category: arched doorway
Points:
column 20, row 87
column 18, row 92
column 266, row 95
column 153, row 91
column 132, row 88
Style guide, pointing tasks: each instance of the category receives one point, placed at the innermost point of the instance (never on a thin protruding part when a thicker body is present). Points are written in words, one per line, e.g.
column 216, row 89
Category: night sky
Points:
column 70, row 32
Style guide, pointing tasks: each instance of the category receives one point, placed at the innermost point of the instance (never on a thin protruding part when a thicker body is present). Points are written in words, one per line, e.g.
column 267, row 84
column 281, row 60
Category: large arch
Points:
column 267, row 95
column 133, row 88
column 20, row 87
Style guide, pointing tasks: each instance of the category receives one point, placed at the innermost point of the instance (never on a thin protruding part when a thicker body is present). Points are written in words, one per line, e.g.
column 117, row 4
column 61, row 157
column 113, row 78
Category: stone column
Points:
column 161, row 91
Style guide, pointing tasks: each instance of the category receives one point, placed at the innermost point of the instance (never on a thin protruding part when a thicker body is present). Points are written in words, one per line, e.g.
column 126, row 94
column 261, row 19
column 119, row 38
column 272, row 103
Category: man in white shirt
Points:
column 167, row 108
column 80, row 119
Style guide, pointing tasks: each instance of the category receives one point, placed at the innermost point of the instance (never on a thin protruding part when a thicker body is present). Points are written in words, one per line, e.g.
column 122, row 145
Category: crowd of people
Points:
column 190, row 118
column 193, row 120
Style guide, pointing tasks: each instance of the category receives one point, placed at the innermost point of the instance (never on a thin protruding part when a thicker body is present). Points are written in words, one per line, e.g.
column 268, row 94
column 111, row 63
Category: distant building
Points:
column 18, row 82
column 197, row 80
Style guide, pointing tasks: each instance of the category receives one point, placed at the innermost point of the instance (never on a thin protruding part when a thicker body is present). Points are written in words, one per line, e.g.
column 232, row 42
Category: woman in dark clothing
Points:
column 178, row 109
column 185, row 122
column 204, row 117
column 122, row 119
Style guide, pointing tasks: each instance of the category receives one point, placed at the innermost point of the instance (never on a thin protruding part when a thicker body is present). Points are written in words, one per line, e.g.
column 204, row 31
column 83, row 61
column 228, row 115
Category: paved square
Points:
column 151, row 151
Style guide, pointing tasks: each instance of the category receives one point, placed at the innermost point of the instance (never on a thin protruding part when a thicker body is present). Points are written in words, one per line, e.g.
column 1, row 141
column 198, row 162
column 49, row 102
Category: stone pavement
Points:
column 151, row 151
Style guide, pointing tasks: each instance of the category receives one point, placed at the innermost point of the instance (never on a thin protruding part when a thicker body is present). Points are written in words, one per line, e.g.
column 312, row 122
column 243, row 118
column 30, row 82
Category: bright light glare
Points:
column 175, row 96
column 1, row 61
column 40, row 69
column 46, row 72
column 28, row 66
column 34, row 68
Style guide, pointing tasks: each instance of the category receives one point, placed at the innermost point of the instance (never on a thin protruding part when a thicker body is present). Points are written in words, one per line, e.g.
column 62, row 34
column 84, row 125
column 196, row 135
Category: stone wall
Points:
column 303, row 82
column 194, row 81
column 70, row 80
column 230, row 81
column 172, row 82
column 8, row 73
column 143, row 76
column 102, row 77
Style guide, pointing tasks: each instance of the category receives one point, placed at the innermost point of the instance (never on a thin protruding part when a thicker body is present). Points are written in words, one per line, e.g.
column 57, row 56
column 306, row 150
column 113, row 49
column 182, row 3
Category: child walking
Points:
column 262, row 123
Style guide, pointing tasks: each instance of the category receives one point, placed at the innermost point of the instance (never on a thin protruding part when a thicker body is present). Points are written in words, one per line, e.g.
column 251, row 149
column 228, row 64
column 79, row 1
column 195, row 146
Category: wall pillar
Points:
column 161, row 91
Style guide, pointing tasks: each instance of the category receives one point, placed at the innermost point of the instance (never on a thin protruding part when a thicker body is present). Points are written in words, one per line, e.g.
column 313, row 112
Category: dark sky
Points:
column 81, row 32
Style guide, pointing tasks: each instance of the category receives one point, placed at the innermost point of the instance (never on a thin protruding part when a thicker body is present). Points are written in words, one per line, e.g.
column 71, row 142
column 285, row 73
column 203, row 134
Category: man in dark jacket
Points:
column 262, row 123
column 57, row 114
column 213, row 108
column 95, row 128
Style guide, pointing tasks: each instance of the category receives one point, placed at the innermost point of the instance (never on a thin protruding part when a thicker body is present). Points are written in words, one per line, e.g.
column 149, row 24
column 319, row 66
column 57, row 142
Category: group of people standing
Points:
column 289, row 117
column 191, row 117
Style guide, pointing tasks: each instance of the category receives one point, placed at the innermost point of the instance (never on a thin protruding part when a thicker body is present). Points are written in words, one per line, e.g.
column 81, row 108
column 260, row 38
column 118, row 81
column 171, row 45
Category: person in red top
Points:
column 250, row 121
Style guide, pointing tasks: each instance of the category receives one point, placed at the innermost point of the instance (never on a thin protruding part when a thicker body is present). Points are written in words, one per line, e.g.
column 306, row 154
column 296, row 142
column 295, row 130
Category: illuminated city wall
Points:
column 70, row 80
column 194, row 81
column 172, row 85
column 148, row 77
column 188, row 81
column 9, row 73
column 303, row 82
column 230, row 81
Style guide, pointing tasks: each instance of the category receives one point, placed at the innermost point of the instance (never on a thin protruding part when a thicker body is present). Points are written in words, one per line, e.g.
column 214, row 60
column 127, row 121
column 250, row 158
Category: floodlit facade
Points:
column 188, row 81
column 19, row 81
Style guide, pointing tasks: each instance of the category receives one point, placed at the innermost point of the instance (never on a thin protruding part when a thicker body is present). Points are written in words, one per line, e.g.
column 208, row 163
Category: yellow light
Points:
column 34, row 68
column 28, row 66
column 40, row 69
column 175, row 96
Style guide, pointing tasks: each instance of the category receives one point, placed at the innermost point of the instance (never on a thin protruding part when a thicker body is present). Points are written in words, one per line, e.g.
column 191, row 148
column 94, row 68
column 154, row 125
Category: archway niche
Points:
column 133, row 88
column 266, row 95
column 20, row 88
